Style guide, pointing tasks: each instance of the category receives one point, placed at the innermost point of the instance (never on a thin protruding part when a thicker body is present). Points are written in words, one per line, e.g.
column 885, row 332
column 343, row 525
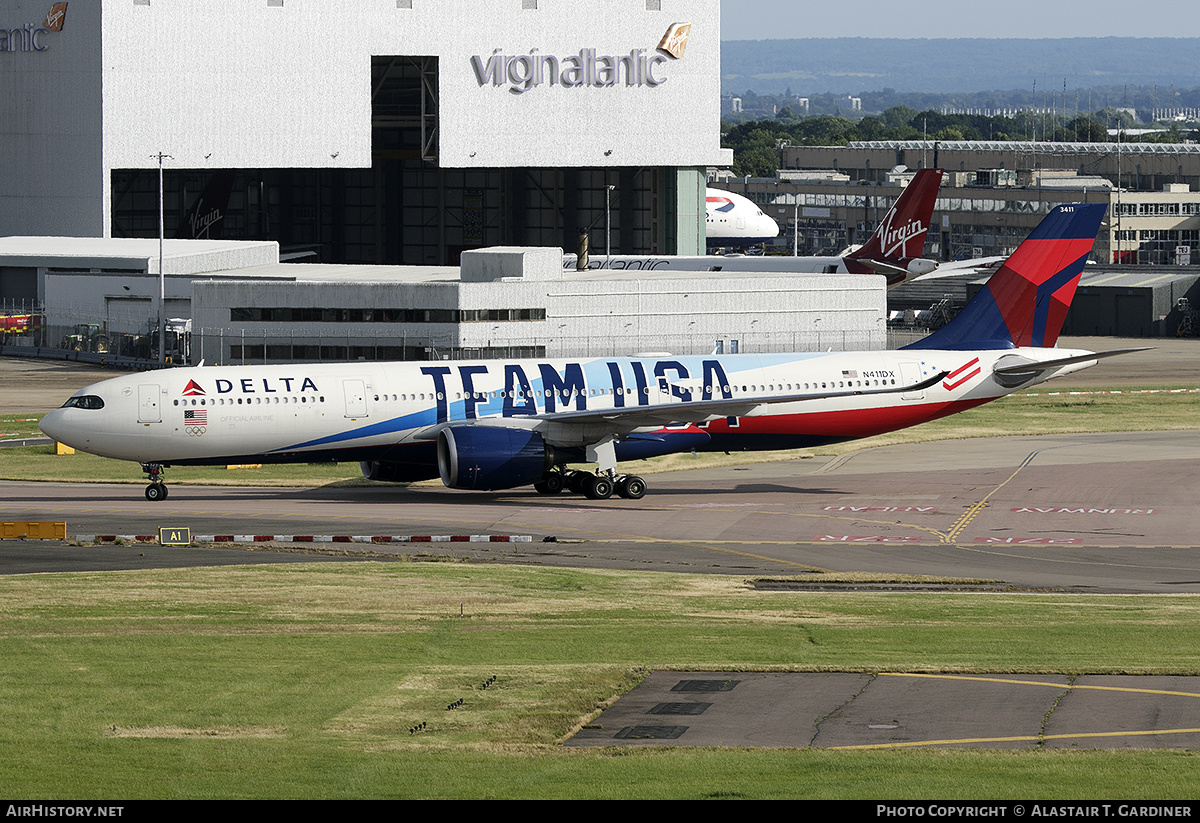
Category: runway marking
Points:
column 1027, row 738
column 1081, row 510
column 1038, row 683
column 1087, row 561
column 918, row 509
column 865, row 538
column 1031, row 540
column 956, row 528
column 760, row 557
column 1016, row 739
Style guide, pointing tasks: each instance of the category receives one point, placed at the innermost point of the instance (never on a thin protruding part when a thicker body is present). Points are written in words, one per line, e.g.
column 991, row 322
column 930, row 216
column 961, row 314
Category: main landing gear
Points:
column 157, row 490
column 599, row 486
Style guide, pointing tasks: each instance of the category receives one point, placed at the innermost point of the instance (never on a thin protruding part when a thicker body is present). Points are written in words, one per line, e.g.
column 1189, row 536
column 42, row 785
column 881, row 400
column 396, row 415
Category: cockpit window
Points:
column 84, row 401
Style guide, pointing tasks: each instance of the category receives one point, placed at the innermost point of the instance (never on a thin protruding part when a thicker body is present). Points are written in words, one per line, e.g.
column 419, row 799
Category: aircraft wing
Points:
column 883, row 266
column 667, row 414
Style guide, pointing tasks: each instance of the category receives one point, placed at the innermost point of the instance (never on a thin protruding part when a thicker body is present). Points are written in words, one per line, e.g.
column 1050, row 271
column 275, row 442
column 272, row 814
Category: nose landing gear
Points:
column 157, row 490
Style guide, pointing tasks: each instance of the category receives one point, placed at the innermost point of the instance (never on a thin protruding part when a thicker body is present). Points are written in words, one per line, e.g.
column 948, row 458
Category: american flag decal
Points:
column 849, row 373
column 195, row 417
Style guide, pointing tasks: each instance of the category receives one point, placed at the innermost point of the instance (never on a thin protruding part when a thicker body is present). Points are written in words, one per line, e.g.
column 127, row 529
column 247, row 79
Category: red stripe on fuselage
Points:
column 952, row 385
column 963, row 368
column 846, row 424
column 956, row 378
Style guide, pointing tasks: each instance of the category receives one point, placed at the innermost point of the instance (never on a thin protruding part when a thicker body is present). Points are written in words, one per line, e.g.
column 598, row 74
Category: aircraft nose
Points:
column 53, row 425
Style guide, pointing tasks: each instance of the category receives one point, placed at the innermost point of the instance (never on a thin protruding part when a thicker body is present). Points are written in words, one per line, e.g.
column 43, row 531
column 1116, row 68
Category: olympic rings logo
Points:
column 194, row 431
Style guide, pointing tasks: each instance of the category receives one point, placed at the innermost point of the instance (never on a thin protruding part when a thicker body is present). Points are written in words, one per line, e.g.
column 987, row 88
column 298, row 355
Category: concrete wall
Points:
column 123, row 303
column 51, row 139
column 691, row 314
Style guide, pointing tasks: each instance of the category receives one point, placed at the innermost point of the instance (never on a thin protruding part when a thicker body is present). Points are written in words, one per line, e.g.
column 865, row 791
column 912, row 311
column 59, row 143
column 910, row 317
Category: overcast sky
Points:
column 785, row 19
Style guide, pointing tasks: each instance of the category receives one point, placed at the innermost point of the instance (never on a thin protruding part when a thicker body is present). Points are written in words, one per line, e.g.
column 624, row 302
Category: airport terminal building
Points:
column 365, row 131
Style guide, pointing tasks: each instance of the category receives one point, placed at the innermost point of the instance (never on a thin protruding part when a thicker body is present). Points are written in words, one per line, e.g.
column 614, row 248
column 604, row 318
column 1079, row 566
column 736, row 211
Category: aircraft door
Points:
column 149, row 404
column 911, row 373
column 356, row 398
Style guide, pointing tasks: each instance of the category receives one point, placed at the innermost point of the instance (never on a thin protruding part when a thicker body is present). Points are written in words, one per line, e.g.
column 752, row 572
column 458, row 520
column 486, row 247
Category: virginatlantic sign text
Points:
column 522, row 72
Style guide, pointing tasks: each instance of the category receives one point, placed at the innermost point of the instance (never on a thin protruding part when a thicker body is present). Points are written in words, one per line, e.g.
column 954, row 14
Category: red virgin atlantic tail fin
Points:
column 901, row 235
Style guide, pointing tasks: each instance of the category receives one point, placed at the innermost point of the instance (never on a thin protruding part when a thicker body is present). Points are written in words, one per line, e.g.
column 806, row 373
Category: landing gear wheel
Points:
column 575, row 481
column 157, row 490
column 551, row 483
column 598, row 487
column 631, row 487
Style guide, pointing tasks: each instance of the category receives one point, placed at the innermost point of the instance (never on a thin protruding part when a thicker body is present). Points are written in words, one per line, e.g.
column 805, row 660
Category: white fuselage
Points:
column 363, row 411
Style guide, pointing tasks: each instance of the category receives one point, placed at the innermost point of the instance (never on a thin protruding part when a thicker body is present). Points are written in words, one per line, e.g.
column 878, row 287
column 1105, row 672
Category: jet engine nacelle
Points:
column 389, row 472
column 491, row 457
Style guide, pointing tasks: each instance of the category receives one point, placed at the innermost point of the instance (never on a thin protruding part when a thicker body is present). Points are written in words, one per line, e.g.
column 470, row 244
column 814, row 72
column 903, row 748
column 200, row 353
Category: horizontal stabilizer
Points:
column 1035, row 366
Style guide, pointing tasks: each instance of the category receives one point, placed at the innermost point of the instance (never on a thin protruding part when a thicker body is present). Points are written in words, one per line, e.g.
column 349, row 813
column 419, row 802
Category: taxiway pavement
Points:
column 1083, row 512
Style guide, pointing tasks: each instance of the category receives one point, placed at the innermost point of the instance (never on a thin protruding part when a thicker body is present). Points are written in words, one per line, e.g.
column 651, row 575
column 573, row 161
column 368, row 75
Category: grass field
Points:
column 304, row 680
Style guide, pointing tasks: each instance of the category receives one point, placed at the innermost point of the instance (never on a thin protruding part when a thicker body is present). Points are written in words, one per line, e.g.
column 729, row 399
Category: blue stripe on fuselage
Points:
column 635, row 374
column 424, row 417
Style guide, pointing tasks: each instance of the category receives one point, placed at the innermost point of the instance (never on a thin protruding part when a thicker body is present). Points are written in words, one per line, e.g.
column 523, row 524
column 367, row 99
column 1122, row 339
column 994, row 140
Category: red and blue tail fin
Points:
column 1025, row 302
column 901, row 235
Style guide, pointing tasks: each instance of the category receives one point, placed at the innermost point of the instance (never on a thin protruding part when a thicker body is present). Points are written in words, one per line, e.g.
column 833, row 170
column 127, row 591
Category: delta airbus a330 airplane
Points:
column 503, row 424
column 893, row 250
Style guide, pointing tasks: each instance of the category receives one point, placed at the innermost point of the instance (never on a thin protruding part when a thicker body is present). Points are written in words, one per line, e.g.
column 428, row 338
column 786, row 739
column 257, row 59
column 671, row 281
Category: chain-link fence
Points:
column 132, row 341
column 127, row 338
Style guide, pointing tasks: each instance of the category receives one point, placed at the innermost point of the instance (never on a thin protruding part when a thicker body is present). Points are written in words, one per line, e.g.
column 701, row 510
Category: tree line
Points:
column 756, row 145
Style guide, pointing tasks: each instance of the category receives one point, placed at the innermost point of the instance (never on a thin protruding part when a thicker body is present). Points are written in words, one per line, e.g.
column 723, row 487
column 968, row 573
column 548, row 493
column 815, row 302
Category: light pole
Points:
column 608, row 190
column 796, row 226
column 162, row 278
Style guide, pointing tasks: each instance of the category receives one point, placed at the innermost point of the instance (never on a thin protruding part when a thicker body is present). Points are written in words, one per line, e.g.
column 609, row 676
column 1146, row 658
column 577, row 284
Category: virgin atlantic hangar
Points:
column 364, row 131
